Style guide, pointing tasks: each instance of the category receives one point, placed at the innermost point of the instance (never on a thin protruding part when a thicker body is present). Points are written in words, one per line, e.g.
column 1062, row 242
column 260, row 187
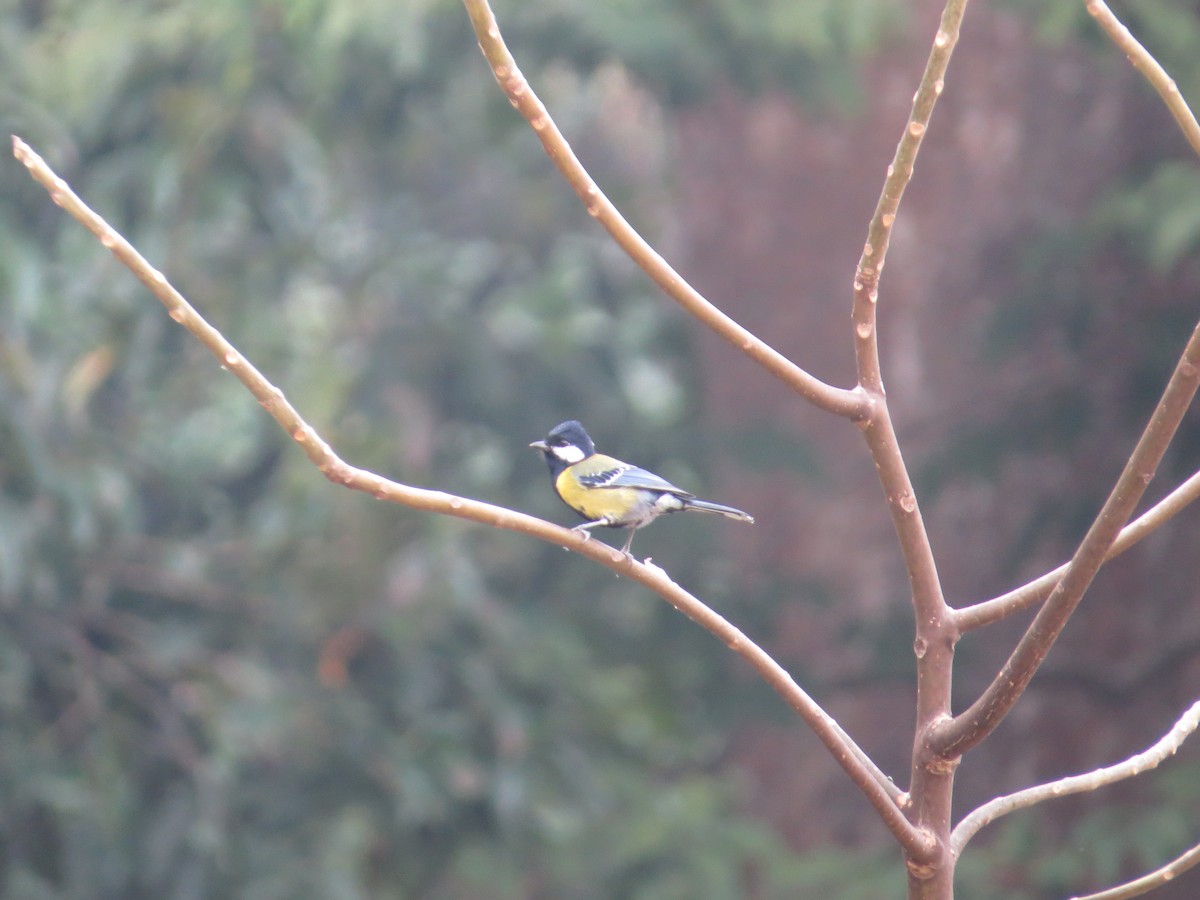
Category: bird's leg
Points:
column 583, row 529
column 629, row 542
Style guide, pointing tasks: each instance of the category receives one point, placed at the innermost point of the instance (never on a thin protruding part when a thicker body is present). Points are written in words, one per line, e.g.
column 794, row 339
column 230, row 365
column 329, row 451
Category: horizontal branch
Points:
column 977, row 615
column 1077, row 784
column 880, row 792
column 851, row 403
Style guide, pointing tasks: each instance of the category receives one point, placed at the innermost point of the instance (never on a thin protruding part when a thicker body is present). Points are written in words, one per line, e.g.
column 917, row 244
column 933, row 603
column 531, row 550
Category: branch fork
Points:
column 920, row 818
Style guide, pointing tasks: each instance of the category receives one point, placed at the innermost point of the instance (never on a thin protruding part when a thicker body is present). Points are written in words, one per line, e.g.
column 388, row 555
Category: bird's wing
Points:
column 622, row 475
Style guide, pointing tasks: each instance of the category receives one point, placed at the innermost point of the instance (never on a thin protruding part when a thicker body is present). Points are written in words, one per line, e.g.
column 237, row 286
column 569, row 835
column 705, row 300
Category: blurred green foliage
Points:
column 685, row 48
column 222, row 676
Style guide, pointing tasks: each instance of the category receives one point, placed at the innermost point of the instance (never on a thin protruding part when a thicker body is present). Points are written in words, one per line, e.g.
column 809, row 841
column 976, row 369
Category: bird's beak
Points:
column 540, row 445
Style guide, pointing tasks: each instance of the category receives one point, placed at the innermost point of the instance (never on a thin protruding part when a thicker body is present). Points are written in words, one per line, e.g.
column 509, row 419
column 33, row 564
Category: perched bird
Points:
column 611, row 493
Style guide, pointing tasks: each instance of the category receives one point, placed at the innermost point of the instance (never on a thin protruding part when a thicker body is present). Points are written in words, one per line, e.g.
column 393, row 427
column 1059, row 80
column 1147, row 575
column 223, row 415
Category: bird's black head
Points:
column 565, row 444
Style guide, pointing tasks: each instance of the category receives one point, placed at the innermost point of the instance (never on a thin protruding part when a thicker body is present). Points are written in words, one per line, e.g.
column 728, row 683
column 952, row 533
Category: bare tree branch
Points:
column 849, row 403
column 1147, row 883
column 920, row 821
column 1150, row 68
column 964, row 731
column 877, row 429
column 899, row 174
column 1036, row 591
column 1077, row 784
column 879, row 790
column 1033, row 593
column 935, row 631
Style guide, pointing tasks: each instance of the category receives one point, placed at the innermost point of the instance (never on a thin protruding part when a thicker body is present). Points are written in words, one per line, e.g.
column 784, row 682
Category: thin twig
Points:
column 1077, row 784
column 1033, row 593
column 966, row 730
column 848, row 403
column 899, row 174
column 1147, row 883
column 880, row 792
column 1150, row 68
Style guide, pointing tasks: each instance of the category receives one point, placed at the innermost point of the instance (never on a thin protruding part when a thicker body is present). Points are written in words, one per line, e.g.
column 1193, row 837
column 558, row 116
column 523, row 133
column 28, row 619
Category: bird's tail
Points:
column 727, row 511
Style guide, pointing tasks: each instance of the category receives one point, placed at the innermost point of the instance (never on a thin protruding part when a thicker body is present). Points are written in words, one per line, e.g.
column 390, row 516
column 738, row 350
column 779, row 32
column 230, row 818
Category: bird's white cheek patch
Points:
column 569, row 454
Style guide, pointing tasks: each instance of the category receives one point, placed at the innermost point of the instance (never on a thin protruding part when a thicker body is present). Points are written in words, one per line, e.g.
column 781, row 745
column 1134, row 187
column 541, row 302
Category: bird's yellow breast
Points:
column 615, row 505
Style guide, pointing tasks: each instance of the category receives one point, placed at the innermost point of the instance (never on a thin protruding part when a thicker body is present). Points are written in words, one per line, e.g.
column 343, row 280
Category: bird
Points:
column 610, row 493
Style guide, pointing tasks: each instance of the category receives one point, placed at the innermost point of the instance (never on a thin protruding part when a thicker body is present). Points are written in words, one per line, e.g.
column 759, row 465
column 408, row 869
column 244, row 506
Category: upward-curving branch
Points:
column 1148, row 759
column 967, row 729
column 850, row 403
column 977, row 615
column 955, row 736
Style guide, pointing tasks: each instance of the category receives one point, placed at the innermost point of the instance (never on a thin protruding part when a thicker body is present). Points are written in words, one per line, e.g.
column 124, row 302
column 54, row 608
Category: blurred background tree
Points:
column 219, row 676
